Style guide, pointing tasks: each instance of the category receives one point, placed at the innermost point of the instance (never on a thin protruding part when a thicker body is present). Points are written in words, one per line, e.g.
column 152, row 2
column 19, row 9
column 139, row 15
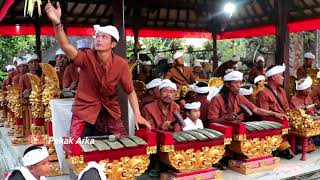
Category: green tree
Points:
column 13, row 46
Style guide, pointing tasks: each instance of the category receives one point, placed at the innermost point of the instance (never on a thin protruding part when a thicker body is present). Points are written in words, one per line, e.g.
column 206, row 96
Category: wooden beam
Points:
column 282, row 38
column 214, row 51
column 37, row 27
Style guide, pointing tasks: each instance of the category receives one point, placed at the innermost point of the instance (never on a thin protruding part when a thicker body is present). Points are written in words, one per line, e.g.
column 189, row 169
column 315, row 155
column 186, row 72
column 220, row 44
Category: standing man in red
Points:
column 96, row 108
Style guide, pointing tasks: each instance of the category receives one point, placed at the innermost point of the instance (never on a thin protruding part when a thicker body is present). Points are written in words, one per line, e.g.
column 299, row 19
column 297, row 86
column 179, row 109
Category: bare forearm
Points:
column 63, row 41
column 134, row 102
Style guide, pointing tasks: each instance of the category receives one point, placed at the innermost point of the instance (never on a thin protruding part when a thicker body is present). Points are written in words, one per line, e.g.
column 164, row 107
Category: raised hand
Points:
column 53, row 13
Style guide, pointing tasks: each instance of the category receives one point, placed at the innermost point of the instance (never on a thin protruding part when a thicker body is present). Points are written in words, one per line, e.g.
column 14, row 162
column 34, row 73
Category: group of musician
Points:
column 95, row 74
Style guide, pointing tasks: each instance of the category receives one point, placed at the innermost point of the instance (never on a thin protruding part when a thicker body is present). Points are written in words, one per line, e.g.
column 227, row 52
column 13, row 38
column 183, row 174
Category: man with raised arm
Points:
column 96, row 109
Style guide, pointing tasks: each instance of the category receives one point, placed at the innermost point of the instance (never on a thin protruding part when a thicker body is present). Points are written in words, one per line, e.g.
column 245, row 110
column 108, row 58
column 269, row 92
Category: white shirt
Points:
column 190, row 125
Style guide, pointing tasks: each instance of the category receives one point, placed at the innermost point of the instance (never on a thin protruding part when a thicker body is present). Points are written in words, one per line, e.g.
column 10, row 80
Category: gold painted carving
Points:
column 240, row 137
column 122, row 169
column 298, row 119
column 191, row 160
column 151, row 149
column 51, row 88
column 35, row 96
column 167, row 148
column 257, row 147
column 216, row 81
column 227, row 141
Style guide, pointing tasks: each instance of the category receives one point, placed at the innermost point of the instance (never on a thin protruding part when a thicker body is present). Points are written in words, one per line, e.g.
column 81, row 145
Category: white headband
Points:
column 22, row 61
column 8, row 67
column 259, row 78
column 246, row 92
column 34, row 156
column 309, row 55
column 197, row 64
column 201, row 90
column 177, row 55
column 194, row 105
column 146, row 63
column 154, row 83
column 233, row 76
column 260, row 58
column 304, row 85
column 99, row 167
column 275, row 70
column 318, row 75
column 167, row 83
column 30, row 57
column 111, row 30
column 60, row 52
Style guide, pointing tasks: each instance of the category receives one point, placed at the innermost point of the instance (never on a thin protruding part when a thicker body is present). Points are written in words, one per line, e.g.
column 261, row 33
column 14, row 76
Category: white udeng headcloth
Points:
column 194, row 105
column 35, row 156
column 233, row 76
column 111, row 30
column 275, row 70
column 304, row 85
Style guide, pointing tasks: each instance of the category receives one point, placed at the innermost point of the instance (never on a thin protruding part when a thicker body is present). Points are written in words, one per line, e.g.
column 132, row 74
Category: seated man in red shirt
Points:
column 160, row 113
column 153, row 92
column 96, row 108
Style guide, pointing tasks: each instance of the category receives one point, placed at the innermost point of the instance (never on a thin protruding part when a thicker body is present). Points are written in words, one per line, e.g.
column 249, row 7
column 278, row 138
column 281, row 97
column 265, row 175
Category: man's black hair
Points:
column 31, row 148
column 91, row 174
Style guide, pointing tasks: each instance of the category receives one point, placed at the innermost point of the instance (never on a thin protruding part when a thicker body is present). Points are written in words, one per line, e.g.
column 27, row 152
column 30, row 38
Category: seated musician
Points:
column 96, row 108
column 198, row 71
column 303, row 100
column 202, row 90
column 259, row 82
column 153, row 92
column 160, row 113
column 146, row 74
column 273, row 98
column 257, row 69
column 193, row 114
column 302, row 70
column 246, row 91
column 71, row 74
column 62, row 62
column 180, row 74
column 35, row 165
column 225, row 105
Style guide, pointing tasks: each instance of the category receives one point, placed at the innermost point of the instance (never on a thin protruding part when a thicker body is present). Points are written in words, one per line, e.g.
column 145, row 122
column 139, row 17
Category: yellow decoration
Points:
column 51, row 88
column 216, row 81
column 191, row 160
column 151, row 149
column 122, row 169
column 166, row 148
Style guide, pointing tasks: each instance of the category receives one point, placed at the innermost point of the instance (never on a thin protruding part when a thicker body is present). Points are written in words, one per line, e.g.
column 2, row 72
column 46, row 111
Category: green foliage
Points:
column 13, row 46
column 3, row 75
